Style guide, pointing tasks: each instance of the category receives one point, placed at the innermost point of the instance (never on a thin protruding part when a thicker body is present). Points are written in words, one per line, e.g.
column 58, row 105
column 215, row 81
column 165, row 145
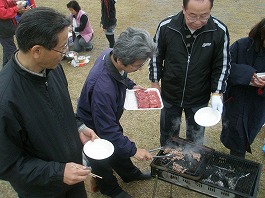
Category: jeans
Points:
column 9, row 48
column 80, row 44
column 110, row 30
column 170, row 121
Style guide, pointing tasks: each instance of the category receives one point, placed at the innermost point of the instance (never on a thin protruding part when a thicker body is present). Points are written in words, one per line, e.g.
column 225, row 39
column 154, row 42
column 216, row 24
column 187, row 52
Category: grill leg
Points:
column 155, row 185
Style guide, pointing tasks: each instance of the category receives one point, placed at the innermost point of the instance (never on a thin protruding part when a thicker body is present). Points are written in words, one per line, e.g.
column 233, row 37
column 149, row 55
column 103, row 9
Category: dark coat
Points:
column 187, row 79
column 38, row 131
column 108, row 13
column 101, row 103
column 244, row 105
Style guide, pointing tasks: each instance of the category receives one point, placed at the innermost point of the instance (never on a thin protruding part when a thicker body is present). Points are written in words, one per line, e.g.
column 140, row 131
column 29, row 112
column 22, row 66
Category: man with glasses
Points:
column 101, row 104
column 192, row 64
column 40, row 146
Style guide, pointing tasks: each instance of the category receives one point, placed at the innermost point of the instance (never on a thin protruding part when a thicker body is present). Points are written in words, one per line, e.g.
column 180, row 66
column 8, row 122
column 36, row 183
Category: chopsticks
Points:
column 94, row 175
column 91, row 174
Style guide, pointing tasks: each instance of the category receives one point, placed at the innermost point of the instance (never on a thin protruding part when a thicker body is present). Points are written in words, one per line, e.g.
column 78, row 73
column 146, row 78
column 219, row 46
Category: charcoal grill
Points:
column 219, row 175
column 194, row 168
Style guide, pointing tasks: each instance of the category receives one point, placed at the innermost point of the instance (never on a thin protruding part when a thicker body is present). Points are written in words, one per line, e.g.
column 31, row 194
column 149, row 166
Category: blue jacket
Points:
column 101, row 103
column 244, row 105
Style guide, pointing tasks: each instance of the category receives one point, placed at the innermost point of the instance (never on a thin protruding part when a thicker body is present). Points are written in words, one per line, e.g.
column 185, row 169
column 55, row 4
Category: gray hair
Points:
column 132, row 45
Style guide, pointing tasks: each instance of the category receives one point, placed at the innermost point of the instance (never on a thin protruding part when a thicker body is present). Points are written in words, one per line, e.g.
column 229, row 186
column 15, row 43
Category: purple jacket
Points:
column 101, row 103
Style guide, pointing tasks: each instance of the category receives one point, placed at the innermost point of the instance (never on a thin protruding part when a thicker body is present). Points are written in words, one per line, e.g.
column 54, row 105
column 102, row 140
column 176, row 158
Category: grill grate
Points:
column 220, row 176
column 233, row 173
column 194, row 168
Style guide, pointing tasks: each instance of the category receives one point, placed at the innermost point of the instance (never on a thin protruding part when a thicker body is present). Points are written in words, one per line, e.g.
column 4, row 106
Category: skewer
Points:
column 91, row 174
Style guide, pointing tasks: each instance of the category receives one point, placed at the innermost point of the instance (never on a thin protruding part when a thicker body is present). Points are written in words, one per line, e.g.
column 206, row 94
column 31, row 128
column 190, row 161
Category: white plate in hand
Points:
column 207, row 116
column 99, row 149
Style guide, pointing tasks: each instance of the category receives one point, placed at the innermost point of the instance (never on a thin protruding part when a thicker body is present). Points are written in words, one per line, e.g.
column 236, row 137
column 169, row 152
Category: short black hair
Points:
column 40, row 26
column 74, row 5
column 185, row 3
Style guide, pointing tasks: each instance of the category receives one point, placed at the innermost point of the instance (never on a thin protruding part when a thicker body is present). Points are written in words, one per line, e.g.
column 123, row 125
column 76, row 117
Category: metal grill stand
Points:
column 237, row 177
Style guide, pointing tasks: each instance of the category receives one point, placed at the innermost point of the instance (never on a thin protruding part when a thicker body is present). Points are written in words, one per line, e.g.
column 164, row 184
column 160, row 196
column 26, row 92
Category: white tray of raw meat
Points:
column 151, row 102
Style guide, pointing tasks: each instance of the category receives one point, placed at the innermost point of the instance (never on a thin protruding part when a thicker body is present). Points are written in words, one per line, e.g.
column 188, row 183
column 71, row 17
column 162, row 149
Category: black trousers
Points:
column 77, row 191
column 124, row 167
column 170, row 121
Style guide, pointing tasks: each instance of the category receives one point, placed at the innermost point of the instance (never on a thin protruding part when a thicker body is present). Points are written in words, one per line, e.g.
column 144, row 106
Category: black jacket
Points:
column 108, row 13
column 188, row 79
column 38, row 131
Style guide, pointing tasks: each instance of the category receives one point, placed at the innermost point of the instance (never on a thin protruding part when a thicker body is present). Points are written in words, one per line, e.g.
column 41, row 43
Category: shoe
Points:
column 123, row 194
column 89, row 49
column 142, row 176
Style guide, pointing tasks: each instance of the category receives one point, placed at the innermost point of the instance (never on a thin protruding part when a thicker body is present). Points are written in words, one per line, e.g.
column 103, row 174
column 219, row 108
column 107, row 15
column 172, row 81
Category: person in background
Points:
column 81, row 28
column 108, row 19
column 40, row 146
column 244, row 109
column 29, row 5
column 8, row 11
column 101, row 103
column 192, row 64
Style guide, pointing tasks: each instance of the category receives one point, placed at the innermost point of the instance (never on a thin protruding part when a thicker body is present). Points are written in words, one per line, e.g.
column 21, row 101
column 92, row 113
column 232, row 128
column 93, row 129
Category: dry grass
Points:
column 143, row 126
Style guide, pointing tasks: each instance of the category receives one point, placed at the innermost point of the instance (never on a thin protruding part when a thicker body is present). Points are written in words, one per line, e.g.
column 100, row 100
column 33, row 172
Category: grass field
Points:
column 143, row 126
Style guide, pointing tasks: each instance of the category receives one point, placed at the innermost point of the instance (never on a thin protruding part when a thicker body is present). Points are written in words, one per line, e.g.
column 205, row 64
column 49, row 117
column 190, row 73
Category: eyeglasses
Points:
column 141, row 65
column 63, row 50
column 195, row 18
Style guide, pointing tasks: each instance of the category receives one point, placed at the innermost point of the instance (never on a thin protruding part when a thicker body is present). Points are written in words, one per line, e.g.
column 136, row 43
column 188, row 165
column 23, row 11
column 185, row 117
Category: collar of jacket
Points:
column 26, row 74
column 177, row 23
column 114, row 71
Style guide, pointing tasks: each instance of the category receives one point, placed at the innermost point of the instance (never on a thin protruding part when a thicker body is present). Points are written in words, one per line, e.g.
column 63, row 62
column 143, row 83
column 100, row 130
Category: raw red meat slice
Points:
column 147, row 99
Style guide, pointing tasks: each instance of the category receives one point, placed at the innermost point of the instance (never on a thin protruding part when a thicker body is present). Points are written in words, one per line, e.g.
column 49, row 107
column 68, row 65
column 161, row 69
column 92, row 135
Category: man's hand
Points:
column 142, row 154
column 216, row 102
column 75, row 173
column 156, row 85
column 139, row 87
column 87, row 134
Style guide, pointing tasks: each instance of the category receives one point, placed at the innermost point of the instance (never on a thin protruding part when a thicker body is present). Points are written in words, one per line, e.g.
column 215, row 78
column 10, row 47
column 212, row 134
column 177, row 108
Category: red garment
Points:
column 7, row 10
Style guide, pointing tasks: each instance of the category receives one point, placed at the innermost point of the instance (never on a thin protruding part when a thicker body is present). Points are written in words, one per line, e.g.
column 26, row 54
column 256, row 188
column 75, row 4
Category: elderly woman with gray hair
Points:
column 101, row 106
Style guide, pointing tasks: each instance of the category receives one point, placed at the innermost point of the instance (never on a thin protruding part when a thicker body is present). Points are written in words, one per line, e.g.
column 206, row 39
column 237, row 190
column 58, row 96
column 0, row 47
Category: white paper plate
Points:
column 207, row 116
column 260, row 74
column 131, row 101
column 99, row 149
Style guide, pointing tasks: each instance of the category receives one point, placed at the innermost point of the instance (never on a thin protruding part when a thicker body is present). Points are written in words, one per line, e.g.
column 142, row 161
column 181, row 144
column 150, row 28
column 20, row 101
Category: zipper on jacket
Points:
column 46, row 85
column 188, row 61
column 184, row 87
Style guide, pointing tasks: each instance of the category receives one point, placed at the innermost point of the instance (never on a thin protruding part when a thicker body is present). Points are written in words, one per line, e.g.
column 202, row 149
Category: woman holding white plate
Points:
column 244, row 100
